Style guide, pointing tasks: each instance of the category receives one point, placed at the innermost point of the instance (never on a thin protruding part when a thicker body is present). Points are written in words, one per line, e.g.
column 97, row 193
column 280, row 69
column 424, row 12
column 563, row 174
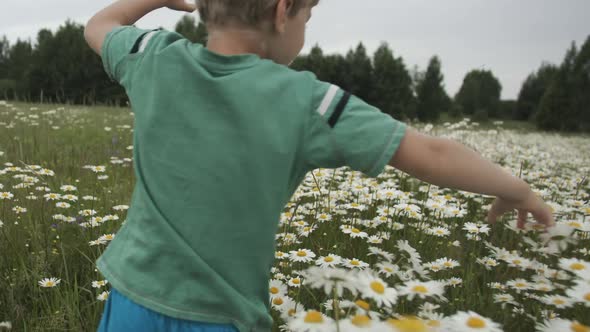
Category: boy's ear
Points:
column 281, row 14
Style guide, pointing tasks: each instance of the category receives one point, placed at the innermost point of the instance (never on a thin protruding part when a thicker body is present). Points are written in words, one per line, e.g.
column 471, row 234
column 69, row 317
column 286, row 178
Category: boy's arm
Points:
column 448, row 163
column 125, row 12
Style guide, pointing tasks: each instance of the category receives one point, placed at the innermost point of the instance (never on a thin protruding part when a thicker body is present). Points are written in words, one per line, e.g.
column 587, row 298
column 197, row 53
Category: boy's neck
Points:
column 231, row 41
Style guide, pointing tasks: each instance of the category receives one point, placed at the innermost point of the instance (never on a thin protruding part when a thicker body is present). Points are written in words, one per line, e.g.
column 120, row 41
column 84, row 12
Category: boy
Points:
column 223, row 136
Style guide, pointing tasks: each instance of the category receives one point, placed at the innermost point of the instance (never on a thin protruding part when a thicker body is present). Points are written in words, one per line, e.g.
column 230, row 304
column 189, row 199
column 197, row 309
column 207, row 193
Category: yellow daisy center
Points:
column 291, row 312
column 520, row 285
column 420, row 289
column 313, row 317
column 361, row 320
column 447, row 264
column 50, row 284
column 363, row 304
column 558, row 301
column 377, row 287
column 355, row 230
column 274, row 290
column 516, row 261
column 577, row 327
column 475, row 322
column 587, row 297
column 578, row 266
column 301, row 253
column 408, row 325
column 388, row 269
column 354, row 262
column 329, row 259
column 277, row 301
column 296, row 281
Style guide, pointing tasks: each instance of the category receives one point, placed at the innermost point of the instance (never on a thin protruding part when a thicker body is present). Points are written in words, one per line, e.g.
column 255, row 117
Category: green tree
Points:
column 556, row 110
column 196, row 33
column 392, row 84
column 532, row 91
column 581, row 86
column 479, row 94
column 431, row 95
column 360, row 72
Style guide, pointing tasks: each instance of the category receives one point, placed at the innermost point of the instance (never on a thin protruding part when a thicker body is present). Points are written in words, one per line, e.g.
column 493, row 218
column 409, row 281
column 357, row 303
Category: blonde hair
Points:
column 249, row 13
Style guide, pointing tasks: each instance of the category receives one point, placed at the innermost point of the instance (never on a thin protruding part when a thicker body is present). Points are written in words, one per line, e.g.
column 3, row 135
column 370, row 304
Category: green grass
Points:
column 35, row 246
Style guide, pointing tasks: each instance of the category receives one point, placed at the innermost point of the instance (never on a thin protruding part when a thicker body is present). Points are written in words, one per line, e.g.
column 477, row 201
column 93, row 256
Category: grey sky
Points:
column 511, row 38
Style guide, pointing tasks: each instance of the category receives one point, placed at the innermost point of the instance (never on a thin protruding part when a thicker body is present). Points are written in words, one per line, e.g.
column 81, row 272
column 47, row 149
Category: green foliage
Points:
column 560, row 108
column 432, row 98
column 392, row 92
column 480, row 93
column 532, row 91
column 196, row 33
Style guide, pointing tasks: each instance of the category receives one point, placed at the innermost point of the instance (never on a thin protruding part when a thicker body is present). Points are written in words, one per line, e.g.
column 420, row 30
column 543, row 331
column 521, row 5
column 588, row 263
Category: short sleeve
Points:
column 125, row 43
column 343, row 130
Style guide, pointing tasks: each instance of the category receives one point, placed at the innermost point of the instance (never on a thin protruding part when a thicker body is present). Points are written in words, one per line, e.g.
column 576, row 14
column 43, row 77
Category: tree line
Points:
column 61, row 68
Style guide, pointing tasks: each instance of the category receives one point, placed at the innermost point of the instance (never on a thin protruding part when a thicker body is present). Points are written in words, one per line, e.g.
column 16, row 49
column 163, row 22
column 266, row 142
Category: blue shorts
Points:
column 123, row 315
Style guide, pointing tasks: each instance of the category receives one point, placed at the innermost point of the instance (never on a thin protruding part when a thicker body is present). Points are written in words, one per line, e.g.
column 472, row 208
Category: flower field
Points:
column 354, row 253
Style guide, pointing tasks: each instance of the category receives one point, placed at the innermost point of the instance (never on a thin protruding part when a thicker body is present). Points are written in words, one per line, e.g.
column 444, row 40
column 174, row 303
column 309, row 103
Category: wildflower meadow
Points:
column 353, row 253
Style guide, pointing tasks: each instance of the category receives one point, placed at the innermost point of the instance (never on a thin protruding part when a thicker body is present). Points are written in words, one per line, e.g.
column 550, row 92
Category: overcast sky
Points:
column 511, row 38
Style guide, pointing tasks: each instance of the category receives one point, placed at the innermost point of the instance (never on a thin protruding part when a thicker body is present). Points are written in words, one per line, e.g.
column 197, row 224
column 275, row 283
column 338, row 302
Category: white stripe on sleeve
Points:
column 328, row 98
column 145, row 40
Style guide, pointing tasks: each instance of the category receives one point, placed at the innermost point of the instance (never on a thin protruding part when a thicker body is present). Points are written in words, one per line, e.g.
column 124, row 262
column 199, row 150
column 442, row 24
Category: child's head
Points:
column 280, row 22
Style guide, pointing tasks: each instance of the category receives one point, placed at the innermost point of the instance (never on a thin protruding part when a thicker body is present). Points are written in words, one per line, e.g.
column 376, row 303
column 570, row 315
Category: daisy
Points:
column 454, row 281
column 354, row 263
column 120, row 207
column 328, row 261
column 387, row 268
column 422, row 289
column 504, row 298
column 7, row 325
column 67, row 187
column 375, row 288
column 277, row 288
column 558, row 301
column 447, row 262
column 577, row 266
column 487, row 262
column 518, row 284
column 324, row 217
column 103, row 296
column 562, row 325
column 99, row 283
column 469, row 321
column 377, row 251
column 361, row 323
column 408, row 324
column 295, row 282
column 330, row 280
column 301, row 255
column 51, row 196
column 355, row 232
column 49, row 282
column 106, row 237
column 374, row 239
column 580, row 293
column 311, row 321
column 281, row 255
column 439, row 231
column 63, row 205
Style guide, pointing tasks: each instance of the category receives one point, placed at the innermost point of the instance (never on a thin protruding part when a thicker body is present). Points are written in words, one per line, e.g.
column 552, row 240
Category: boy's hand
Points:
column 530, row 203
column 182, row 5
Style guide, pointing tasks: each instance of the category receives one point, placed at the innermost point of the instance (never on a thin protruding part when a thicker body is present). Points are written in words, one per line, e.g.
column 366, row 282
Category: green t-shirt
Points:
column 220, row 145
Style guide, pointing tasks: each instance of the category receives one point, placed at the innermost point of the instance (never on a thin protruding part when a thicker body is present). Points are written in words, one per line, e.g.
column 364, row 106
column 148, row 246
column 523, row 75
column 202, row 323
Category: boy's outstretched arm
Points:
column 125, row 12
column 448, row 163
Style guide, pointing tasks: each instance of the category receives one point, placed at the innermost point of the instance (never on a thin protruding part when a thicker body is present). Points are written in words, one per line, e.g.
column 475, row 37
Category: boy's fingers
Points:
column 190, row 5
